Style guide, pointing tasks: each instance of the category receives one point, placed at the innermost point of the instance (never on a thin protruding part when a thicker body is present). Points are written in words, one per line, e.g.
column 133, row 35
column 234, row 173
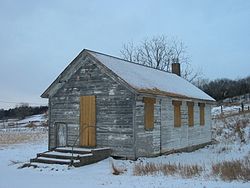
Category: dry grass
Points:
column 169, row 169
column 185, row 171
column 11, row 137
column 227, row 170
column 189, row 171
column 141, row 169
column 233, row 170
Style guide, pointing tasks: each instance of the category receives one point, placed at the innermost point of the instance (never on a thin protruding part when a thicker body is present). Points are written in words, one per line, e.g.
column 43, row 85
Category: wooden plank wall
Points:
column 184, row 136
column 147, row 141
column 114, row 109
column 165, row 136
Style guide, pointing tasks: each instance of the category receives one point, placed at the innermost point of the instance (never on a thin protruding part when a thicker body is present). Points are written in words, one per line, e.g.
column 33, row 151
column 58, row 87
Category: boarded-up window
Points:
column 177, row 113
column 202, row 113
column 148, row 112
column 190, row 114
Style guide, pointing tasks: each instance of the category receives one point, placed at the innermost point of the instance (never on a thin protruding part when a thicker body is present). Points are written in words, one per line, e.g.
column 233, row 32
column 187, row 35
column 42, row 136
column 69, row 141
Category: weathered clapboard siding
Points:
column 164, row 137
column 73, row 132
column 147, row 141
column 174, row 138
column 114, row 113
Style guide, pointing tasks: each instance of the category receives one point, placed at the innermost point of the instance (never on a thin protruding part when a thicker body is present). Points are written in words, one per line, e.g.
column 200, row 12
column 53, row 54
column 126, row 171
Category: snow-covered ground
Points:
column 99, row 174
column 228, row 110
column 35, row 120
column 14, row 155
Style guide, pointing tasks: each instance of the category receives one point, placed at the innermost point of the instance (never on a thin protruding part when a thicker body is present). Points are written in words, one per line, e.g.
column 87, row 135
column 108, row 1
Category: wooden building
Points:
column 104, row 101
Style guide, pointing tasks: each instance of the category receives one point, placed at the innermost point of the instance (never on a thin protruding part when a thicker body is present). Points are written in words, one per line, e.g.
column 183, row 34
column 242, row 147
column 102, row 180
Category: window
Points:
column 177, row 113
column 202, row 113
column 149, row 113
column 190, row 114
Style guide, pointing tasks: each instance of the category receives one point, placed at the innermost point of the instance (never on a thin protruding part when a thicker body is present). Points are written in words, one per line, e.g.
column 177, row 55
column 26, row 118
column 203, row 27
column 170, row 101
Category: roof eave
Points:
column 157, row 92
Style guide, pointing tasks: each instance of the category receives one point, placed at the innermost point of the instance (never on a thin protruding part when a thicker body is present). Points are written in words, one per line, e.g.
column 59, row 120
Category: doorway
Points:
column 61, row 140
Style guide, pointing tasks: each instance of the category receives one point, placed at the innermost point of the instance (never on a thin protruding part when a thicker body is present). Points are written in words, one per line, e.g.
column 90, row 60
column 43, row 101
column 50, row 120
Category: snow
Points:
column 37, row 120
column 226, row 109
column 70, row 148
column 99, row 175
column 230, row 109
column 96, row 175
column 34, row 118
column 68, row 154
column 59, row 160
column 142, row 77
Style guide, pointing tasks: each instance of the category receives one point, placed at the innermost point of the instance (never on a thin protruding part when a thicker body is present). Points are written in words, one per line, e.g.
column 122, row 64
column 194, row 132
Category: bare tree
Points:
column 158, row 52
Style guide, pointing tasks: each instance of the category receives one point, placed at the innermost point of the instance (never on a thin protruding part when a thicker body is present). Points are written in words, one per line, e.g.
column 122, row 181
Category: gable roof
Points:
column 144, row 79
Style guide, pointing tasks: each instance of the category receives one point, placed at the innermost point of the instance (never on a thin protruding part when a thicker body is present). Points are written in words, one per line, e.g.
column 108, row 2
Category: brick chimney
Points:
column 176, row 67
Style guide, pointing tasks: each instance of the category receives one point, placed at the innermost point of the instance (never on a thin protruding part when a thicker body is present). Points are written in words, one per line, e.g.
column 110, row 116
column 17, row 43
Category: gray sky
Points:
column 38, row 39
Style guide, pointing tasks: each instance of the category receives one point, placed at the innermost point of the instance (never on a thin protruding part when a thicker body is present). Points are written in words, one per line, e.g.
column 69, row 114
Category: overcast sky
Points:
column 38, row 39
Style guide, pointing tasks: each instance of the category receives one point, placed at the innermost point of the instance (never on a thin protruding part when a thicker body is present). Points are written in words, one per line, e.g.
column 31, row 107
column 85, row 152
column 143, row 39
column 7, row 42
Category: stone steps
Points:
column 80, row 157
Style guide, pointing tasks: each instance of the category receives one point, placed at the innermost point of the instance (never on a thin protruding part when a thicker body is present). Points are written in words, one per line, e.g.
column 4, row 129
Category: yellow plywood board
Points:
column 87, row 121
